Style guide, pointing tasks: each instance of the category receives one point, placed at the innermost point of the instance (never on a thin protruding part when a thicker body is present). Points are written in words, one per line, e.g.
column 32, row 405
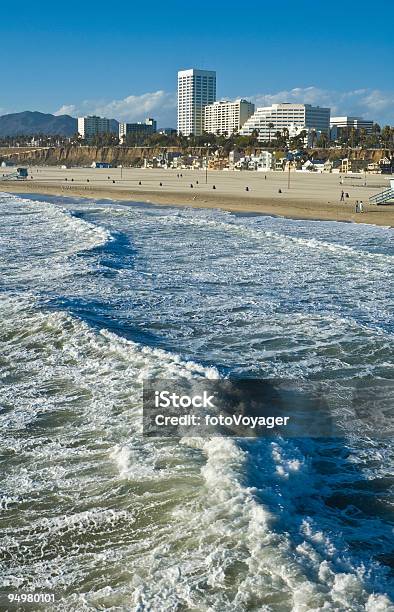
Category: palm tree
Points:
column 270, row 127
column 352, row 136
column 363, row 137
column 313, row 137
column 302, row 138
column 279, row 138
column 323, row 140
column 386, row 135
column 376, row 128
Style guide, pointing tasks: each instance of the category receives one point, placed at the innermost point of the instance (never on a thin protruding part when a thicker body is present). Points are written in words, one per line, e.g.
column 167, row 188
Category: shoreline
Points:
column 282, row 205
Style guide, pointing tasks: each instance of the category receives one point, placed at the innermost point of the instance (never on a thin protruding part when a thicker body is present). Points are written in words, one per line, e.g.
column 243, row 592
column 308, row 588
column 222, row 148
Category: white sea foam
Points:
column 125, row 522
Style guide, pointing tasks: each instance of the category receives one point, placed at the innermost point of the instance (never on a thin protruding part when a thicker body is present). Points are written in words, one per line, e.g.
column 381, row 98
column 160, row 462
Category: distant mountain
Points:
column 33, row 122
column 30, row 123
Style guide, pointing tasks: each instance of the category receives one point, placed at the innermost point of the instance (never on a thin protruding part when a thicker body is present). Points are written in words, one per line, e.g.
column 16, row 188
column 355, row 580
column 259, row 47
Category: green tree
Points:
column 313, row 137
column 270, row 127
column 387, row 136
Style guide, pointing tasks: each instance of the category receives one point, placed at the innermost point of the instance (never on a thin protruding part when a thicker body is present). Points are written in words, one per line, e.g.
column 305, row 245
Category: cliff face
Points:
column 84, row 156
column 132, row 156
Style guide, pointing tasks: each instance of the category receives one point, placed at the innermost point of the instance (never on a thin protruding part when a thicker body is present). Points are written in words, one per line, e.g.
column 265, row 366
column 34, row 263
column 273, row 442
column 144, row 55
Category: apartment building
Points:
column 226, row 117
column 91, row 126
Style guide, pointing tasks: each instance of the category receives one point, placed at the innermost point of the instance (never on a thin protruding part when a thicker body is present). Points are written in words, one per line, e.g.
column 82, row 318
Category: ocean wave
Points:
column 43, row 240
column 83, row 387
column 125, row 522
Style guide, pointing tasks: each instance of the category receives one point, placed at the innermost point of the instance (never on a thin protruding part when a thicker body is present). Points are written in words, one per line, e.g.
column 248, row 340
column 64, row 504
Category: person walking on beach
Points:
column 342, row 196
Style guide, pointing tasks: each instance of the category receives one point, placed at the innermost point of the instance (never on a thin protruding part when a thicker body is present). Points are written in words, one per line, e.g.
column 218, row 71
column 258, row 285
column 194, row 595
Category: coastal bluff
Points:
column 132, row 156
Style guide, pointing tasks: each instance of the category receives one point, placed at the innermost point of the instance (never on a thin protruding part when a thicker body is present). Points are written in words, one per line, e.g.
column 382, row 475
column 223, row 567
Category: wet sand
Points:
column 310, row 196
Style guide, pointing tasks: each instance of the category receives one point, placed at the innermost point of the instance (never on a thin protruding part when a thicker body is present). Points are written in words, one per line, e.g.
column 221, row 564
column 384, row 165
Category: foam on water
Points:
column 110, row 520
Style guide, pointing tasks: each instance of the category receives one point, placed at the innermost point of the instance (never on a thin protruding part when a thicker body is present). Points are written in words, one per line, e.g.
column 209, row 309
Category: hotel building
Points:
column 268, row 120
column 226, row 117
column 196, row 89
column 139, row 128
column 91, row 126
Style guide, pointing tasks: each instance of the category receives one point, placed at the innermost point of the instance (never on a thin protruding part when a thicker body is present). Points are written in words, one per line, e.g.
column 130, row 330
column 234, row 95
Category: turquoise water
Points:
column 94, row 298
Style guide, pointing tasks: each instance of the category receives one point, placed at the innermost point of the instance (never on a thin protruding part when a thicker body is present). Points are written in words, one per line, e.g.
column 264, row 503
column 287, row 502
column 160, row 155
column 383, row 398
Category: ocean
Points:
column 97, row 296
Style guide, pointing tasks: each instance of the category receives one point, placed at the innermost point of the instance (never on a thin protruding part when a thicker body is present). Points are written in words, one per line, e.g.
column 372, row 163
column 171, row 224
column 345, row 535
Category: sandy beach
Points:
column 310, row 196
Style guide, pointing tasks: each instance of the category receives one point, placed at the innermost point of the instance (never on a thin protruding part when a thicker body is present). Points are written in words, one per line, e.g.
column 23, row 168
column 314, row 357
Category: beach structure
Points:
column 267, row 120
column 100, row 164
column 383, row 197
column 20, row 174
column 91, row 126
column 196, row 89
column 225, row 118
column 149, row 126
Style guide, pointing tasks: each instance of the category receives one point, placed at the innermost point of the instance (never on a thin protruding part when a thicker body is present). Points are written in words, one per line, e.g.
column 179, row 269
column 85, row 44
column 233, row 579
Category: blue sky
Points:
column 120, row 59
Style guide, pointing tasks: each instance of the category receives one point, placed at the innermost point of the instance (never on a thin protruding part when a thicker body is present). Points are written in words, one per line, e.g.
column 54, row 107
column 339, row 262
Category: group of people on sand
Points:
column 359, row 206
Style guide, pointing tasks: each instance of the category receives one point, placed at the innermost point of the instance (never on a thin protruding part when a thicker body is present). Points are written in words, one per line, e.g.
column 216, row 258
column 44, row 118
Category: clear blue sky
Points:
column 89, row 56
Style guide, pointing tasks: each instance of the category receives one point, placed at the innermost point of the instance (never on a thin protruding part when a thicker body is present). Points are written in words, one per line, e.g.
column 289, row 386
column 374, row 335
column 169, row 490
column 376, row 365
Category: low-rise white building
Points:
column 92, row 126
column 262, row 162
column 339, row 124
column 314, row 166
column 268, row 120
column 225, row 118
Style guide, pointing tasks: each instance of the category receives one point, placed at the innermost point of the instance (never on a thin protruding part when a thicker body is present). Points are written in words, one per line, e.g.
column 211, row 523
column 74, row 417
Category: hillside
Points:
column 34, row 123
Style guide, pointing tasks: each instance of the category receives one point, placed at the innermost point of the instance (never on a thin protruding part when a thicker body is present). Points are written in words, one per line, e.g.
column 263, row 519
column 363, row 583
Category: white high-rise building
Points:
column 268, row 120
column 196, row 89
column 226, row 117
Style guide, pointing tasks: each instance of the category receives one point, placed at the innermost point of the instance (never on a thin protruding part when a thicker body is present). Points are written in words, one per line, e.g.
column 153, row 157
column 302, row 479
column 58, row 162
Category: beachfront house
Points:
column 261, row 162
column 307, row 166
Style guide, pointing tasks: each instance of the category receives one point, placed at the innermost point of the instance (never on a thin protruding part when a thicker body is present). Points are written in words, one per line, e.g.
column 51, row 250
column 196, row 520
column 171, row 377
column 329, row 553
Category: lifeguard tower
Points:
column 384, row 197
column 21, row 174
